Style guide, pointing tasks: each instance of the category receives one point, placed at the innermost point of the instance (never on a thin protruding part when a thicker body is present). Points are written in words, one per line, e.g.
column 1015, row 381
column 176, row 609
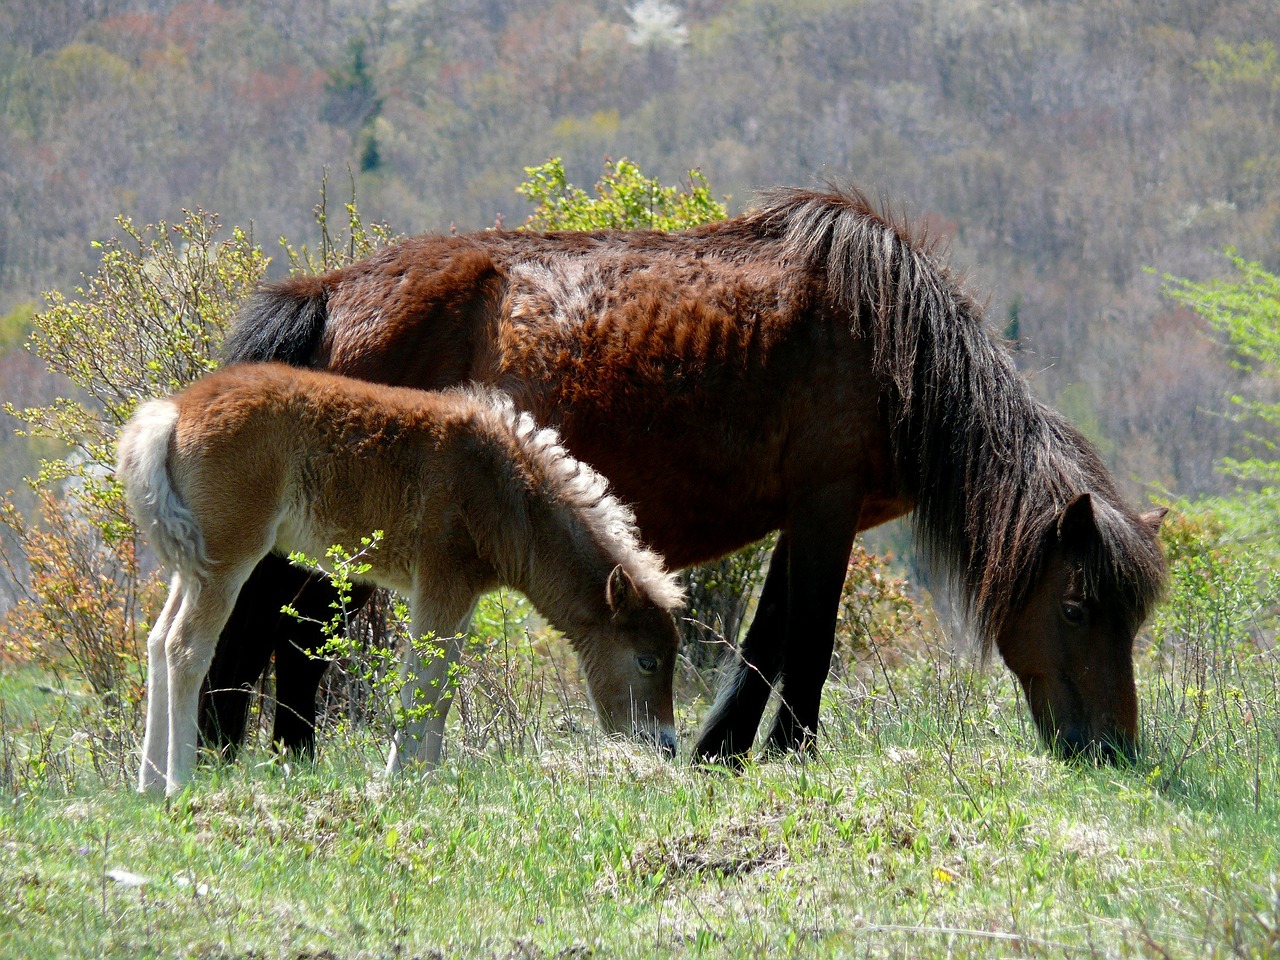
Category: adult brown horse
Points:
column 811, row 367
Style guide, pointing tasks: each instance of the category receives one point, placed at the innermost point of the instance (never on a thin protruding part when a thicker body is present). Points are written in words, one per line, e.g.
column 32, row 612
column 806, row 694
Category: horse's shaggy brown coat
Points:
column 810, row 367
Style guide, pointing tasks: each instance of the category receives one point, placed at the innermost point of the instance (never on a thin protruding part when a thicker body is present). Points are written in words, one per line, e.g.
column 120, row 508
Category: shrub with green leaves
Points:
column 1217, row 665
column 625, row 200
column 146, row 323
column 1212, row 681
column 1244, row 309
column 876, row 610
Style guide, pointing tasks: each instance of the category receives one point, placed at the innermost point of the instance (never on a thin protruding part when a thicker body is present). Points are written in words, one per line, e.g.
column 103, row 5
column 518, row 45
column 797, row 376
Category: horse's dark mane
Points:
column 988, row 466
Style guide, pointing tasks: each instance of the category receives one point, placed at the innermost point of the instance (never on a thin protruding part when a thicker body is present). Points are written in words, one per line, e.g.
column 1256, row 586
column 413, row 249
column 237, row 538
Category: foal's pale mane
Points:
column 607, row 522
column 989, row 466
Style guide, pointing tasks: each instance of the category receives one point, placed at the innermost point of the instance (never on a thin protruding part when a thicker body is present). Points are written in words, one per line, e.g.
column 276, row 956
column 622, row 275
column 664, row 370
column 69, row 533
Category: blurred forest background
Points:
column 1070, row 153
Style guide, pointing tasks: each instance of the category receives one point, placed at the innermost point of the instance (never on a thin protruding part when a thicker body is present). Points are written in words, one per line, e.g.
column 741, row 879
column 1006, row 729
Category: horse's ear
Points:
column 621, row 594
column 1152, row 518
column 1076, row 524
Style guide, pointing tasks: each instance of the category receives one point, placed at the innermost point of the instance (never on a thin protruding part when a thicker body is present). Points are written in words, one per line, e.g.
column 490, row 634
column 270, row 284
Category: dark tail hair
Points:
column 282, row 321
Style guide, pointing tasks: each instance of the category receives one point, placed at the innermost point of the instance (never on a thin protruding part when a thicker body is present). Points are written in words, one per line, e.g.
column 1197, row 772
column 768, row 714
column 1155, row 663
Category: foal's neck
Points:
column 559, row 568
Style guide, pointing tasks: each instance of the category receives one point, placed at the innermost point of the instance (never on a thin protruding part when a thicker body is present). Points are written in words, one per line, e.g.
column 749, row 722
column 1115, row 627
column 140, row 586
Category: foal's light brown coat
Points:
column 469, row 495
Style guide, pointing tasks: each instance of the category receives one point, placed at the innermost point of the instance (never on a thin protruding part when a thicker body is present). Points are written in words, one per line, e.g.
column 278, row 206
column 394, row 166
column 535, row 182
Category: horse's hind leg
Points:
column 730, row 727
column 244, row 650
column 155, row 742
column 298, row 669
column 822, row 538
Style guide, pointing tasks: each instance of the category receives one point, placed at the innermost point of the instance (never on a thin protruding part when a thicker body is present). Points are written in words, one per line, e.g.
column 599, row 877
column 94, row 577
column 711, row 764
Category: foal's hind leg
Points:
column 188, row 650
column 155, row 742
column 730, row 728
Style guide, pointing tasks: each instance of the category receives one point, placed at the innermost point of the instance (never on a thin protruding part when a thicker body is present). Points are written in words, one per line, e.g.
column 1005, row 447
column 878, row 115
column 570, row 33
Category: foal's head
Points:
column 1070, row 643
column 629, row 660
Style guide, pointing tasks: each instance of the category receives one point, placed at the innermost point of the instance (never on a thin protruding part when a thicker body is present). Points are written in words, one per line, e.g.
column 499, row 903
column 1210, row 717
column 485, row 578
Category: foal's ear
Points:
column 621, row 594
column 1076, row 525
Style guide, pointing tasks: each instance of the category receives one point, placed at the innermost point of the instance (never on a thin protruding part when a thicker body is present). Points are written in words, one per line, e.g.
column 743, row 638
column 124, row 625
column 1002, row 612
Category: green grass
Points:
column 35, row 696
column 929, row 824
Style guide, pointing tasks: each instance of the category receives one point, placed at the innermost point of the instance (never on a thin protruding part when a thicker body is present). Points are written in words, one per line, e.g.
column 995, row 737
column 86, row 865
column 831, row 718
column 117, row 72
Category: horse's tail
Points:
column 282, row 321
column 143, row 467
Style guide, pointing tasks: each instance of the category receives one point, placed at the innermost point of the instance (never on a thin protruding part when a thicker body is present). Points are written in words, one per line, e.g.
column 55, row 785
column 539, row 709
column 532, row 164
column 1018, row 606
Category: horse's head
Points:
column 629, row 661
column 1071, row 642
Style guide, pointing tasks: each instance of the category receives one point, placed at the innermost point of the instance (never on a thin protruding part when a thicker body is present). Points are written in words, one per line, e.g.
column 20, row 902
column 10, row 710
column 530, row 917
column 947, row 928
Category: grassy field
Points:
column 930, row 823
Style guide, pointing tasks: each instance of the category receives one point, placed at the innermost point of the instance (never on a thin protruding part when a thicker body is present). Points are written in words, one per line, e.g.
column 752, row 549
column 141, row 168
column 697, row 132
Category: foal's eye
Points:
column 1074, row 613
column 647, row 664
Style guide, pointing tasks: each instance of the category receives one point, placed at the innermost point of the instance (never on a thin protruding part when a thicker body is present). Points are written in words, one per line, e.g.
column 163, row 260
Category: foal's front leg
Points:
column 426, row 690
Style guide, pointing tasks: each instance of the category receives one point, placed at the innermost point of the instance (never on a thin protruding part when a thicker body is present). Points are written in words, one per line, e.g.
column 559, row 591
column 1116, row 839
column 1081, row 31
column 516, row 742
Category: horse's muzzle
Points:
column 1075, row 743
column 667, row 742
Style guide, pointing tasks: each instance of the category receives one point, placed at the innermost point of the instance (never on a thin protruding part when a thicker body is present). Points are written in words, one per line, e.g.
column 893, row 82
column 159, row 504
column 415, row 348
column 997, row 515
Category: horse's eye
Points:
column 1074, row 613
column 647, row 664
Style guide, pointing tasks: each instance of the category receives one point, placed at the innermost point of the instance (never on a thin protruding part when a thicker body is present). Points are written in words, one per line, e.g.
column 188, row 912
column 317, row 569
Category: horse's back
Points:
column 713, row 390
column 702, row 372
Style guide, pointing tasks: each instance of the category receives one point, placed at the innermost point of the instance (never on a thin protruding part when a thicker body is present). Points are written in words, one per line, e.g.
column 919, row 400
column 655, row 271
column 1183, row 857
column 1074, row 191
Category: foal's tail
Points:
column 282, row 321
column 143, row 467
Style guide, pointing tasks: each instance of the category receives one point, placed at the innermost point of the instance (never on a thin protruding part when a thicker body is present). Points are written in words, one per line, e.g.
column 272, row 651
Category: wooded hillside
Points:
column 1062, row 148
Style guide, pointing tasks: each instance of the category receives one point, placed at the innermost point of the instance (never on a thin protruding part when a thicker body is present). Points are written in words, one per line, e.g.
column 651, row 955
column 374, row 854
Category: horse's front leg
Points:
column 823, row 530
column 730, row 727
column 426, row 689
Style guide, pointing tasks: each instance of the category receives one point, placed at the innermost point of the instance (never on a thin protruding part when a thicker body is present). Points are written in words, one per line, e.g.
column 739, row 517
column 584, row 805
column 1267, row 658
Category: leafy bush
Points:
column 145, row 324
column 1213, row 680
column 1217, row 679
column 148, row 322
column 876, row 609
column 625, row 199
column 353, row 241
column 1244, row 310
